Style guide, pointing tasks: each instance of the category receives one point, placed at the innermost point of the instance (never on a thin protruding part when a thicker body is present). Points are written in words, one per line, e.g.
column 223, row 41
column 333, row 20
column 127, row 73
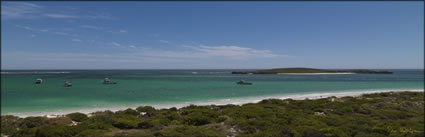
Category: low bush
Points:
column 78, row 117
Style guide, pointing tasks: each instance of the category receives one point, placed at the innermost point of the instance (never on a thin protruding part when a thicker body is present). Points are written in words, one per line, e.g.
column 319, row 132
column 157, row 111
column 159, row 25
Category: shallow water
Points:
column 168, row 87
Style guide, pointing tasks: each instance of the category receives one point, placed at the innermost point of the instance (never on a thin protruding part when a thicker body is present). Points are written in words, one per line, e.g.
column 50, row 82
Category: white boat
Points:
column 108, row 81
column 242, row 82
column 38, row 81
column 67, row 84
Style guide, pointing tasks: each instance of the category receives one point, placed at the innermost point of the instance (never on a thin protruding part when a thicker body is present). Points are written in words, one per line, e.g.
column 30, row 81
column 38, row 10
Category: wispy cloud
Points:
column 98, row 17
column 76, row 40
column 65, row 34
column 56, row 60
column 116, row 44
column 61, row 33
column 235, row 52
column 91, row 27
column 204, row 52
column 46, row 31
column 119, row 31
column 31, row 29
column 196, row 56
column 26, row 10
column 164, row 41
column 61, row 16
column 20, row 10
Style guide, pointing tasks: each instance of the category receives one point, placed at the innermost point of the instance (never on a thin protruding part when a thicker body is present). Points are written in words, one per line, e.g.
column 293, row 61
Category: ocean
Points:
column 176, row 88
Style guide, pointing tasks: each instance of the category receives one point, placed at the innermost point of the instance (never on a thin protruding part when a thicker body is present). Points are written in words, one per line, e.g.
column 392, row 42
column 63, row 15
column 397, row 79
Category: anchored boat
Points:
column 38, row 81
column 67, row 84
column 242, row 82
column 108, row 81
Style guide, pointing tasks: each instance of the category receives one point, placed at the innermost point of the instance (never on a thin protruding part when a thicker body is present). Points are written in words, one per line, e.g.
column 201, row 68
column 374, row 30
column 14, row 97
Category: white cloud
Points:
column 116, row 44
column 31, row 29
column 61, row 33
column 76, row 40
column 57, row 60
column 119, row 31
column 26, row 10
column 20, row 10
column 164, row 41
column 46, row 31
column 139, row 57
column 202, row 51
column 60, row 16
column 206, row 52
column 235, row 52
column 90, row 27
column 98, row 17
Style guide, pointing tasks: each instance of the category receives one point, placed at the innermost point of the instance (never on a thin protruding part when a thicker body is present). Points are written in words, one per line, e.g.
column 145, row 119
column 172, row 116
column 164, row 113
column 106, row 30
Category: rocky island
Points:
column 311, row 71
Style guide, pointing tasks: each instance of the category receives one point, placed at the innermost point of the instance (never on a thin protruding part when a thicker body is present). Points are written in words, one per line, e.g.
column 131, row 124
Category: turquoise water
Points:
column 153, row 87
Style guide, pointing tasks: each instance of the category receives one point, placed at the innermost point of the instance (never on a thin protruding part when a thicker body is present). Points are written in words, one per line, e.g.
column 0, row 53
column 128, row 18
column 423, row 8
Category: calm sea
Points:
column 20, row 95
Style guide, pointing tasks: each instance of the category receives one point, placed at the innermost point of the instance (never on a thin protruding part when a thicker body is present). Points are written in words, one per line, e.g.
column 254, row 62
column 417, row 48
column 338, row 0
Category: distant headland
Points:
column 311, row 71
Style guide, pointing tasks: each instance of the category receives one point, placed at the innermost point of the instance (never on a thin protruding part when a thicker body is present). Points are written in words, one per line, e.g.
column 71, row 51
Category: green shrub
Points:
column 150, row 111
column 197, row 120
column 78, row 117
column 145, row 124
column 145, row 109
column 54, row 131
column 24, row 133
column 9, row 124
column 32, row 122
column 184, row 131
column 124, row 123
column 129, row 112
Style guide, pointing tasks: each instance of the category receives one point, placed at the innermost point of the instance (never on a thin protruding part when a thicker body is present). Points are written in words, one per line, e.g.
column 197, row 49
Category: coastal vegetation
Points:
column 312, row 70
column 393, row 114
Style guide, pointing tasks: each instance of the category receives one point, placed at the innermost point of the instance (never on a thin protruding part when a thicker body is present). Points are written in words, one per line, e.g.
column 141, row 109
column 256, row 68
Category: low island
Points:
column 386, row 114
column 311, row 71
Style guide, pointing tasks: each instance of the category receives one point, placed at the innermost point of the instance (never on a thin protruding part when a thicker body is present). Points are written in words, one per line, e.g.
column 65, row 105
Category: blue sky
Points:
column 217, row 35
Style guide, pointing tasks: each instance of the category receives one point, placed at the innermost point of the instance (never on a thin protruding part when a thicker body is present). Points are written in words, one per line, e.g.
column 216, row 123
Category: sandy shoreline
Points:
column 235, row 101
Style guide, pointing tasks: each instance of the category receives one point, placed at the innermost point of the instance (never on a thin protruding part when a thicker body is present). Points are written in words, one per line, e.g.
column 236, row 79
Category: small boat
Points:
column 242, row 82
column 108, row 81
column 67, row 84
column 38, row 81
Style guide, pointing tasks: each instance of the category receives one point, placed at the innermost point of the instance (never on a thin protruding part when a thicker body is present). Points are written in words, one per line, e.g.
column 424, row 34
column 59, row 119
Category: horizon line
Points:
column 197, row 68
